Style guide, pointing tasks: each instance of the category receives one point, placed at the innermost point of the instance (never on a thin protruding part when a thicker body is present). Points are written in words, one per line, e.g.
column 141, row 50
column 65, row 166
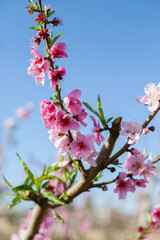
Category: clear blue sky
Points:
column 114, row 51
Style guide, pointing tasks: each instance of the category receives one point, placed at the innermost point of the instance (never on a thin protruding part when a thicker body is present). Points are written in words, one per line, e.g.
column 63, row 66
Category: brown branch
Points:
column 126, row 146
column 156, row 160
column 82, row 169
column 85, row 181
column 38, row 214
column 100, row 185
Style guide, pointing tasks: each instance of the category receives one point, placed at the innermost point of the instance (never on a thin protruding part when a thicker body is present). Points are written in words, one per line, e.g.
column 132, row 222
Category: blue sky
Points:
column 113, row 48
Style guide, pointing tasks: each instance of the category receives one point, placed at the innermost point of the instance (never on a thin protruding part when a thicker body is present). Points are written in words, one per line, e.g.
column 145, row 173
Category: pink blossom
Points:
column 54, row 134
column 123, row 186
column 55, row 186
column 65, row 163
column 152, row 96
column 72, row 102
column 65, row 122
column 83, row 146
column 140, row 183
column 58, row 51
column 23, row 112
column 48, row 111
column 63, row 145
column 15, row 237
column 40, row 17
column 96, row 130
column 85, row 225
column 134, row 164
column 10, row 123
column 43, row 34
column 80, row 117
column 148, row 170
column 46, row 224
column 156, row 214
column 90, row 158
column 36, row 41
column 38, row 67
column 56, row 75
column 134, row 151
column 39, row 237
column 132, row 129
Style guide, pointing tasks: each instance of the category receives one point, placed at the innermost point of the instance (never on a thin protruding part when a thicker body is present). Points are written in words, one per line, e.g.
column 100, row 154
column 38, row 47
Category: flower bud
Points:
column 145, row 131
column 30, row 11
column 112, row 169
column 152, row 128
column 56, row 22
column 141, row 229
column 104, row 188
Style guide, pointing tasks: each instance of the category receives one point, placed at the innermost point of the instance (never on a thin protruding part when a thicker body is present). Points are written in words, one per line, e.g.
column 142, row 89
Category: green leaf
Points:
column 53, row 198
column 51, row 13
column 100, row 109
column 51, row 35
column 45, row 184
column 149, row 218
column 98, row 176
column 23, row 187
column 45, row 10
column 144, row 152
column 35, row 28
column 49, row 177
column 26, row 182
column 55, row 39
column 91, row 109
column 46, row 49
column 53, row 167
column 33, row 4
column 15, row 201
column 109, row 119
column 72, row 179
column 7, row 182
column 56, row 215
column 40, row 26
column 29, row 173
column 10, row 194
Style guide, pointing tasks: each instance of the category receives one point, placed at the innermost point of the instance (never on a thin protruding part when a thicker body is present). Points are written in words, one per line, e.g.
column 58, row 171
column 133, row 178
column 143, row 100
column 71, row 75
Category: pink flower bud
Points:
column 104, row 188
column 30, row 11
column 131, row 141
column 145, row 131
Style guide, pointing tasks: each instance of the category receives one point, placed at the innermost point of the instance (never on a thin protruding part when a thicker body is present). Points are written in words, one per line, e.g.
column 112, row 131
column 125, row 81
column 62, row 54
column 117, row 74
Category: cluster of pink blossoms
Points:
column 135, row 165
column 62, row 117
column 60, row 122
column 39, row 65
column 155, row 214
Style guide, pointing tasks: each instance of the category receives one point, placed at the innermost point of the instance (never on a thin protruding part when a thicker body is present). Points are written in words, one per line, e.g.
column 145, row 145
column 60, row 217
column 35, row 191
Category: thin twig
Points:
column 100, row 185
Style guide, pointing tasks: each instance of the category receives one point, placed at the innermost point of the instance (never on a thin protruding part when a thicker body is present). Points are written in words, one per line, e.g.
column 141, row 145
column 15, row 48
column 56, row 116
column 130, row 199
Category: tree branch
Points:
column 38, row 214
